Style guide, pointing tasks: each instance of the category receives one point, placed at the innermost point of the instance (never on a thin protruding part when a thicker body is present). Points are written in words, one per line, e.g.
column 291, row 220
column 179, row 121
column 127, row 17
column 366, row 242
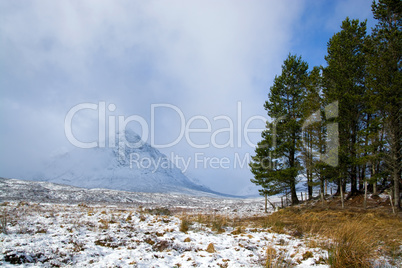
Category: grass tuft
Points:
column 185, row 224
column 210, row 248
column 352, row 245
column 270, row 257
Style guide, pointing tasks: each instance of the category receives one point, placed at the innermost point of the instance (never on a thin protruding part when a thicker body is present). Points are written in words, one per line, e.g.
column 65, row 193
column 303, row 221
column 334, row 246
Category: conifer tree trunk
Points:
column 365, row 194
column 322, row 192
column 293, row 193
column 341, row 187
column 375, row 180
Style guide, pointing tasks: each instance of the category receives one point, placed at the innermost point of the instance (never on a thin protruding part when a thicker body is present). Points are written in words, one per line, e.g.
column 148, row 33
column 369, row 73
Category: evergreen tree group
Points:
column 340, row 123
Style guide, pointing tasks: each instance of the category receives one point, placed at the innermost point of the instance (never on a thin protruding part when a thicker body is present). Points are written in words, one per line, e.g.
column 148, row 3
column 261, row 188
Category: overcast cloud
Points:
column 207, row 58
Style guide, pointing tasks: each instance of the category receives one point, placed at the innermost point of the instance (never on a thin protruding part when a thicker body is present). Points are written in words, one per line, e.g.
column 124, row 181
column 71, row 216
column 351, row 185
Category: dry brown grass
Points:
column 356, row 236
column 352, row 245
column 185, row 224
column 353, row 237
column 210, row 248
column 270, row 257
column 217, row 223
column 237, row 231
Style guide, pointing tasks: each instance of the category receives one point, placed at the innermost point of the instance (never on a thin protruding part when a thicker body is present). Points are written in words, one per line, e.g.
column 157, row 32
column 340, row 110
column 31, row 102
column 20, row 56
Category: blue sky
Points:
column 203, row 57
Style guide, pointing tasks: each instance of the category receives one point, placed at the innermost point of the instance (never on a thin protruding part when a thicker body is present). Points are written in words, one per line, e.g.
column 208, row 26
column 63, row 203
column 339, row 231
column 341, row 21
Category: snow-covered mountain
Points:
column 124, row 167
column 249, row 191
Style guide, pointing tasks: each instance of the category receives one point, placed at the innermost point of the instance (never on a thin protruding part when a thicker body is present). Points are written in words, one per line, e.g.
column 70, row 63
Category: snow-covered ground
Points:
column 47, row 235
column 198, row 202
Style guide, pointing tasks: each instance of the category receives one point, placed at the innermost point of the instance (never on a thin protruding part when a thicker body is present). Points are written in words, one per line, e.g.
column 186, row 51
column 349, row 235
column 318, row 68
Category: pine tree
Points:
column 345, row 82
column 264, row 168
column 285, row 102
column 385, row 79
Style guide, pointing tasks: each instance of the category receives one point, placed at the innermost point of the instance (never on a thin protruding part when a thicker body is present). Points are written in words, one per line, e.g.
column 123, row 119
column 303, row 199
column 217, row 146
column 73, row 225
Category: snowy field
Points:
column 198, row 202
column 82, row 235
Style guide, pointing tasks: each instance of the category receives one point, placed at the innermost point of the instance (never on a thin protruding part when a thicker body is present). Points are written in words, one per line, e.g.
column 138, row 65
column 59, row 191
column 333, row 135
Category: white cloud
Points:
column 202, row 56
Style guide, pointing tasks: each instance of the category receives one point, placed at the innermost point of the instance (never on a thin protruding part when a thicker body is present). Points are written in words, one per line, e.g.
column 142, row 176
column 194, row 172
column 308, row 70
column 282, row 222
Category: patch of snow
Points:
column 120, row 236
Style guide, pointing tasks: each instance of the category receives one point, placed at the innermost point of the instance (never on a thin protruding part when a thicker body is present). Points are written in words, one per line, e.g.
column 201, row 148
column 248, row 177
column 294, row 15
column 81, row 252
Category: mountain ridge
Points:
column 132, row 165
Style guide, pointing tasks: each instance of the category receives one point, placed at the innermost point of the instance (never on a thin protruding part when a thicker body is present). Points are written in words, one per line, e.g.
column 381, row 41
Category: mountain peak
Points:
column 131, row 165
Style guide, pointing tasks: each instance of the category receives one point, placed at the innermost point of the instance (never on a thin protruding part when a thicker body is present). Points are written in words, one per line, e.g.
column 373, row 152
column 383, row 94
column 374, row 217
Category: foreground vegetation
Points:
column 312, row 233
column 356, row 237
column 55, row 235
column 353, row 237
